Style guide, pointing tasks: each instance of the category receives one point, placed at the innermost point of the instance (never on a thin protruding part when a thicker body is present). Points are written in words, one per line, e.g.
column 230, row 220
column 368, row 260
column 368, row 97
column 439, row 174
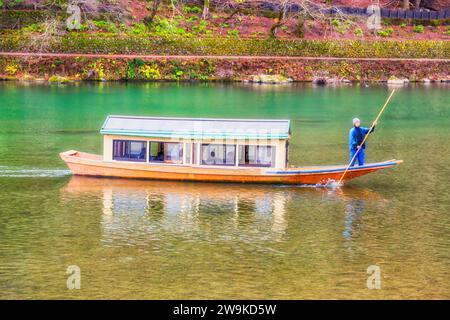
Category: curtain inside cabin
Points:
column 218, row 154
column 256, row 156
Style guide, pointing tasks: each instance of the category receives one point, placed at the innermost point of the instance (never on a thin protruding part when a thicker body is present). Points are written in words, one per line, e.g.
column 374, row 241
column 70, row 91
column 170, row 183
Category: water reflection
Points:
column 354, row 210
column 142, row 210
column 138, row 212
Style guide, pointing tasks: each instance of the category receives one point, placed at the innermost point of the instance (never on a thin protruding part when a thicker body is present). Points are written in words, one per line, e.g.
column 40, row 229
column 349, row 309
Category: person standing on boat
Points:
column 356, row 137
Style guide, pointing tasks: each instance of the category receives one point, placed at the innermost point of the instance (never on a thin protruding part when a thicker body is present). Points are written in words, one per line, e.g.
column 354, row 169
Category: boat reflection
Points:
column 138, row 211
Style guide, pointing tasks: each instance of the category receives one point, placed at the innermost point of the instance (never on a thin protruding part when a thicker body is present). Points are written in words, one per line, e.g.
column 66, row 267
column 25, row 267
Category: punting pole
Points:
column 366, row 136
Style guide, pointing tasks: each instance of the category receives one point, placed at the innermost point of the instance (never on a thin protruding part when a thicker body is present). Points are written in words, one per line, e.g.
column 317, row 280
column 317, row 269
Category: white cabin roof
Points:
column 161, row 127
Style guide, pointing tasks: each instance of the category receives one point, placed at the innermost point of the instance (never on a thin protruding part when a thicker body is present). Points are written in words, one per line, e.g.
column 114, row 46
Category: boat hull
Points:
column 93, row 165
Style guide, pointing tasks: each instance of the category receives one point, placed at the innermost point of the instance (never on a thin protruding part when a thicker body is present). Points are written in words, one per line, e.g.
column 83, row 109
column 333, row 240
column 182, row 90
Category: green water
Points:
column 163, row 240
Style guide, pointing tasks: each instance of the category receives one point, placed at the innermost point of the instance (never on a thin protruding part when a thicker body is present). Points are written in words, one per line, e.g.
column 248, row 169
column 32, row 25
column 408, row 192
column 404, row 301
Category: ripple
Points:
column 19, row 172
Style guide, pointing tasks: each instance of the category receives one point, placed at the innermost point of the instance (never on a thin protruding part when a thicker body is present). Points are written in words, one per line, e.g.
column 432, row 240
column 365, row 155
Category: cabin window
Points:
column 174, row 152
column 156, row 152
column 129, row 150
column 218, row 154
column 168, row 152
column 256, row 156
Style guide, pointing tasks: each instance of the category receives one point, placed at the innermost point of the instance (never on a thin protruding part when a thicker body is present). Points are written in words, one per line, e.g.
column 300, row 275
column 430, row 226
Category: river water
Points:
column 168, row 240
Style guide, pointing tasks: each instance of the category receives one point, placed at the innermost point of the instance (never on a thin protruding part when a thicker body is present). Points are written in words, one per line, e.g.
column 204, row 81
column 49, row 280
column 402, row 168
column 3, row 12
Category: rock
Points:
column 58, row 79
column 27, row 77
column 426, row 81
column 324, row 80
column 397, row 81
column 270, row 79
column 320, row 81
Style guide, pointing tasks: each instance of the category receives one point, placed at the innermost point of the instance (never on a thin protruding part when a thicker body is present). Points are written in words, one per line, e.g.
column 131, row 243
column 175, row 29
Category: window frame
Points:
column 116, row 158
column 164, row 150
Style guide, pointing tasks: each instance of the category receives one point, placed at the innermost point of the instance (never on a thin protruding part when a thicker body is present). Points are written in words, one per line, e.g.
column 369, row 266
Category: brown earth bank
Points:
column 162, row 68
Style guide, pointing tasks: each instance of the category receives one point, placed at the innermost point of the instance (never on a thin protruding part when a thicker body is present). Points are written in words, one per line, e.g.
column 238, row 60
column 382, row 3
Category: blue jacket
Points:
column 356, row 136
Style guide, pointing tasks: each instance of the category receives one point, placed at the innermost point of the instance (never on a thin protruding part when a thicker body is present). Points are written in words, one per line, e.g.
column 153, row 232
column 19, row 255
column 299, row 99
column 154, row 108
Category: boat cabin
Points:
column 197, row 141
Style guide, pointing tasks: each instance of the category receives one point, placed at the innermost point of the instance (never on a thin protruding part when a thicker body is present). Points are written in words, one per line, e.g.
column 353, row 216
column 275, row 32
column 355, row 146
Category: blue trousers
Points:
column 360, row 157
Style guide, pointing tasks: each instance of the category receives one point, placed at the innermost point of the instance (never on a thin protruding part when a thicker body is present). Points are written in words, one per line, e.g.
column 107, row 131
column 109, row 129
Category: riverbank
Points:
column 59, row 67
column 186, row 47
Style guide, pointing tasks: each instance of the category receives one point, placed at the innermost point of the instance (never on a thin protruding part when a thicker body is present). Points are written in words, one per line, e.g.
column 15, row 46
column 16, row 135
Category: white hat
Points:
column 356, row 120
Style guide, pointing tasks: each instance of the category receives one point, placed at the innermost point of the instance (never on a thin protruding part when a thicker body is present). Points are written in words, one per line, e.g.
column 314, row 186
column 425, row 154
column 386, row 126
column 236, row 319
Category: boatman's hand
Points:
column 374, row 124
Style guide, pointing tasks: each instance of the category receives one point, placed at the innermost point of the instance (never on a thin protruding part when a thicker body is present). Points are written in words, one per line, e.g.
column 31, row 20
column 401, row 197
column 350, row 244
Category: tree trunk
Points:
column 155, row 6
column 417, row 4
column 276, row 25
column 405, row 4
column 205, row 9
column 300, row 27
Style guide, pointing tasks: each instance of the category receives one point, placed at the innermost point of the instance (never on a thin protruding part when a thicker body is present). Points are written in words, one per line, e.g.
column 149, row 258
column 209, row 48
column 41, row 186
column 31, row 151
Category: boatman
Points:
column 356, row 137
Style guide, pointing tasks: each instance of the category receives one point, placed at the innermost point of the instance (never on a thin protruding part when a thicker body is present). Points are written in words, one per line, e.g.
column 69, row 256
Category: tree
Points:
column 405, row 4
column 235, row 6
column 154, row 9
column 283, row 4
column 417, row 4
column 306, row 9
column 205, row 9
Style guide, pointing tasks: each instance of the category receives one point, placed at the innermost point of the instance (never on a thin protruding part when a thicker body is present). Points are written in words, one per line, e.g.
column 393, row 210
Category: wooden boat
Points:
column 209, row 150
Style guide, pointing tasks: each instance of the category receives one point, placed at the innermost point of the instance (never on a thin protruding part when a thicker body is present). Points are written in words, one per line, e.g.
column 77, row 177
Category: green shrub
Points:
column 386, row 32
column 335, row 23
column 166, row 27
column 139, row 29
column 132, row 66
column 150, row 72
column 35, row 27
column 341, row 26
column 233, row 33
column 192, row 19
column 193, row 9
column 201, row 27
column 105, row 26
column 358, row 32
column 418, row 29
column 84, row 27
column 177, row 72
column 11, row 69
